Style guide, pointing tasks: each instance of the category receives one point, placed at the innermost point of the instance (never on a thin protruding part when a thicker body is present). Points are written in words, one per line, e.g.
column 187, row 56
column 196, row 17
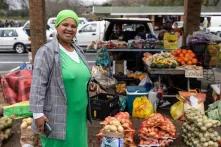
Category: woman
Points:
column 59, row 87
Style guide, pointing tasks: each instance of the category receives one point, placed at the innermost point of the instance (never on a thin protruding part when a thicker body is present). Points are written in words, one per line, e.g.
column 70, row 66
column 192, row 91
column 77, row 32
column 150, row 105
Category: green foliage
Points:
column 210, row 2
column 3, row 5
column 17, row 13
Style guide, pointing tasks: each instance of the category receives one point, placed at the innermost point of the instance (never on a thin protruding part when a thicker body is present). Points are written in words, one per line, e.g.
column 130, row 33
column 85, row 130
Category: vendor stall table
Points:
column 133, row 56
column 168, row 71
column 135, row 50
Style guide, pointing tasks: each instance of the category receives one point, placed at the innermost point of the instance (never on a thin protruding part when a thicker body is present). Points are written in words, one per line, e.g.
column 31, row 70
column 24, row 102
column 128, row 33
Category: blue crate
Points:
column 132, row 93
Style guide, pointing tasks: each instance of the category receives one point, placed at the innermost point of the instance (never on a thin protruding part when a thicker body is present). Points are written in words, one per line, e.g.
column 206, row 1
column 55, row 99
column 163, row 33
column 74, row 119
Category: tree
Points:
column 211, row 2
column 37, row 24
column 3, row 5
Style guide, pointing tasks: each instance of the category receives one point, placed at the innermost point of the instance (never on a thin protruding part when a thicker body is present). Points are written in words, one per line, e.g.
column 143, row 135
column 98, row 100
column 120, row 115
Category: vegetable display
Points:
column 5, row 128
column 118, row 126
column 157, row 130
column 26, row 123
column 163, row 60
column 198, row 130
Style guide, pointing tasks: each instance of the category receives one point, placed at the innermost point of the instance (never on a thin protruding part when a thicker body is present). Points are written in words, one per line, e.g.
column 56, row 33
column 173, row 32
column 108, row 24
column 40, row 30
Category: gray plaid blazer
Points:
column 49, row 97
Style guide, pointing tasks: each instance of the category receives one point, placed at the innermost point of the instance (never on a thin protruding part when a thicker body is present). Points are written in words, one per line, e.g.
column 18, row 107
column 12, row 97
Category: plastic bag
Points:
column 177, row 110
column 112, row 142
column 153, row 98
column 146, row 82
column 122, row 102
column 142, row 107
column 103, row 58
column 19, row 110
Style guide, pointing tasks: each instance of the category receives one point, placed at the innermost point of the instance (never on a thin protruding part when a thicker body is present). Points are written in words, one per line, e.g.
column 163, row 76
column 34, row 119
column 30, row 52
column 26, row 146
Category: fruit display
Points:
column 198, row 130
column 5, row 128
column 118, row 126
column 157, row 130
column 163, row 60
column 185, row 57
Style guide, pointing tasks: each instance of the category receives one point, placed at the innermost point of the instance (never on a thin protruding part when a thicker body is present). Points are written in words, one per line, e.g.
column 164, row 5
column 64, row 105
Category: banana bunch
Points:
column 163, row 60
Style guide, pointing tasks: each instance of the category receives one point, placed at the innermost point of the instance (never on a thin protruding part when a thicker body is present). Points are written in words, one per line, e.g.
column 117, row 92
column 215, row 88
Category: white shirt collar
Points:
column 73, row 55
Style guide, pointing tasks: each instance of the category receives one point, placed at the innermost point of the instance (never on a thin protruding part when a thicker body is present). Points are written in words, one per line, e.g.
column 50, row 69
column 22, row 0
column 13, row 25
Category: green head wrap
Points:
column 64, row 14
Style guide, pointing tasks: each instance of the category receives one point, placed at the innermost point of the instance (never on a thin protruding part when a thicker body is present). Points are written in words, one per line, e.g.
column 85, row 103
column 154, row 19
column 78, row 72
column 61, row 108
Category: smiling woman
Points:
column 59, row 87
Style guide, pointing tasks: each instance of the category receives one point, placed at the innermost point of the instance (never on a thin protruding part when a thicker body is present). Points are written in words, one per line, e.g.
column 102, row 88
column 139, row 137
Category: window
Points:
column 89, row 28
column 9, row 33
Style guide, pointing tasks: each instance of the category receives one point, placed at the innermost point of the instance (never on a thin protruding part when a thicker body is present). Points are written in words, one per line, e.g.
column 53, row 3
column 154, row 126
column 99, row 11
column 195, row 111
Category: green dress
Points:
column 75, row 76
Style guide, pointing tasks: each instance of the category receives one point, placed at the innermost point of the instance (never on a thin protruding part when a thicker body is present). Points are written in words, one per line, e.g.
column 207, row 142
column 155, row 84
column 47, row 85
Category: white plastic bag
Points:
column 152, row 96
column 112, row 142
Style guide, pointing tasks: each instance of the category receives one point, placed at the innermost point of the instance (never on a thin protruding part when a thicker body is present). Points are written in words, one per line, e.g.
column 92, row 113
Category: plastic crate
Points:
column 103, row 105
column 132, row 92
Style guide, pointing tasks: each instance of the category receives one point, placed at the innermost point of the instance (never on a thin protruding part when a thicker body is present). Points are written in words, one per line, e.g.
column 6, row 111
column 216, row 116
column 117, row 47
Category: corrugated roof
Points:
column 153, row 10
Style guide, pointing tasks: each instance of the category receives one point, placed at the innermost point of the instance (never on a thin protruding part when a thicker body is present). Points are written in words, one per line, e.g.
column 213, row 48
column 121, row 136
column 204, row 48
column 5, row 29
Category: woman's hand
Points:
column 40, row 123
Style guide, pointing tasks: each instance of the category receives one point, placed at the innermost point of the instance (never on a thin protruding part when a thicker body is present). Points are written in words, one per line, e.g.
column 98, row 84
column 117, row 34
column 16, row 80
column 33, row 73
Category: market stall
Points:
column 126, row 104
column 147, row 93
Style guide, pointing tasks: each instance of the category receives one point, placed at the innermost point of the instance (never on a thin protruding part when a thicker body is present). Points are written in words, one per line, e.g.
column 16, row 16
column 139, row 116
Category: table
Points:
column 133, row 56
column 167, row 71
column 136, row 50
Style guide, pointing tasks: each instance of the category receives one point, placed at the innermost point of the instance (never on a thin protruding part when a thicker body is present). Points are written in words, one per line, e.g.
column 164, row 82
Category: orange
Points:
column 189, row 62
column 182, row 55
column 186, row 59
column 194, row 60
column 182, row 63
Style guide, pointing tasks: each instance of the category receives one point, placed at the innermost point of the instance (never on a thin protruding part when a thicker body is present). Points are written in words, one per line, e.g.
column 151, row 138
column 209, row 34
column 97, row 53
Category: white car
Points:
column 14, row 39
column 49, row 31
column 215, row 30
column 100, row 30
column 89, row 32
column 215, row 25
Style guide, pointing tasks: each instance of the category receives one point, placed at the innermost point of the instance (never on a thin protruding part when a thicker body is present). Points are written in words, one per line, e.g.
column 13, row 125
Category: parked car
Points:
column 101, row 30
column 130, row 27
column 14, row 39
column 49, row 31
column 130, row 30
column 215, row 25
column 91, row 31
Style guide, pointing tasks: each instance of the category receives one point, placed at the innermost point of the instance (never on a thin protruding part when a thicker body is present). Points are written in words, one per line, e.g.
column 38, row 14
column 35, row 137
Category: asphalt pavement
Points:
column 11, row 60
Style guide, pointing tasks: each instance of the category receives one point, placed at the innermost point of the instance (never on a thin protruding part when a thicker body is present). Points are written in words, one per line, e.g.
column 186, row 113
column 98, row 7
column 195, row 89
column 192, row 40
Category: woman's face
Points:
column 67, row 30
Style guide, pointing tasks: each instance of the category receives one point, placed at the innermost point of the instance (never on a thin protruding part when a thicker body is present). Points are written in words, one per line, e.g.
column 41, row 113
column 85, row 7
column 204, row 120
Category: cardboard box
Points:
column 119, row 66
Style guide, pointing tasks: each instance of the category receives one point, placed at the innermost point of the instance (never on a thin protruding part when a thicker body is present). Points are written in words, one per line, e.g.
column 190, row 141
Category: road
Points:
column 10, row 60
